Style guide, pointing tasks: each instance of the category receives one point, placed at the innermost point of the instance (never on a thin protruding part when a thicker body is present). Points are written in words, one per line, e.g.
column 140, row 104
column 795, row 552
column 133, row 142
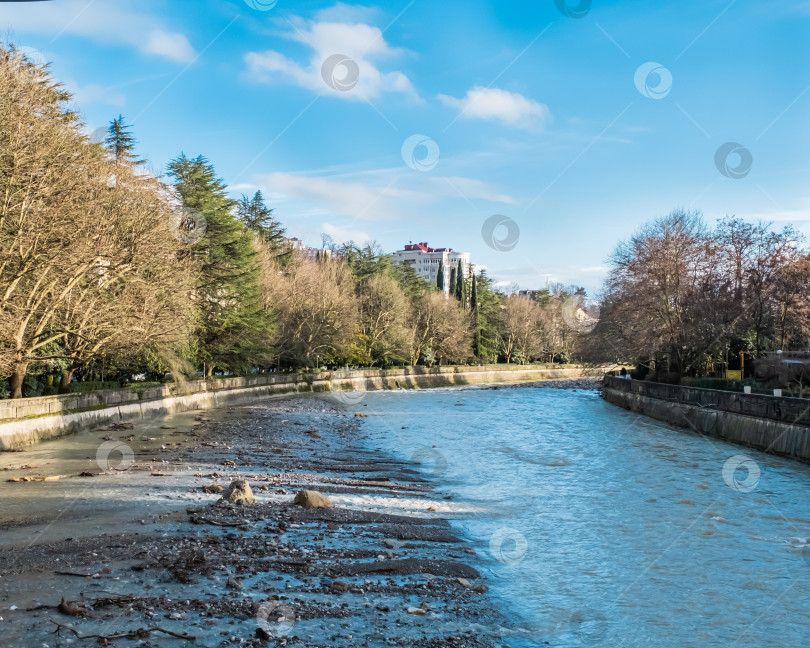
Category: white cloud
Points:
column 343, row 235
column 173, row 46
column 354, row 200
column 105, row 22
column 470, row 188
column 361, row 44
column 501, row 105
column 92, row 93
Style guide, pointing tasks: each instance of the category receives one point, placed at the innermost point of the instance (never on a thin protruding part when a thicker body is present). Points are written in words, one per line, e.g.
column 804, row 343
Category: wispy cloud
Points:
column 104, row 22
column 507, row 107
column 355, row 200
column 362, row 46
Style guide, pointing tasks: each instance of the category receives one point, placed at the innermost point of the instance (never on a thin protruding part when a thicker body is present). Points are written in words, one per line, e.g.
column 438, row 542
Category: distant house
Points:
column 308, row 252
column 425, row 261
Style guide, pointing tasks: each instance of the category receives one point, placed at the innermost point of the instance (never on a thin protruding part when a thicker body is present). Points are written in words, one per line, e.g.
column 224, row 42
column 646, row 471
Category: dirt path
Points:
column 137, row 553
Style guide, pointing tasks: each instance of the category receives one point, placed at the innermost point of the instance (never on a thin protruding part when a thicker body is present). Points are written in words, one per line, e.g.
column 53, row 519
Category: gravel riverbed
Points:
column 136, row 548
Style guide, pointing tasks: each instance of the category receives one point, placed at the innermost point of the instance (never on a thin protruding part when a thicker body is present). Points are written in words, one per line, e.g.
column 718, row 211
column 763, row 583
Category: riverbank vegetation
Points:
column 108, row 272
column 683, row 298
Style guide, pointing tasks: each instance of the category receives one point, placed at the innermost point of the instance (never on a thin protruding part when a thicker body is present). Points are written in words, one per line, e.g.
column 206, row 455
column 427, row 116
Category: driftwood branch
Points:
column 140, row 633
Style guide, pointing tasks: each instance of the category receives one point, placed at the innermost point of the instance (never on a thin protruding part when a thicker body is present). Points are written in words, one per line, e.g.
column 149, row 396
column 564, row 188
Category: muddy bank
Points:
column 135, row 548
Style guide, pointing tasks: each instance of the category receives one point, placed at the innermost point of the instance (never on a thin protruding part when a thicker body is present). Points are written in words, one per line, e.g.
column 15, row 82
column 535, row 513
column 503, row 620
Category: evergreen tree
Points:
column 233, row 327
column 258, row 217
column 452, row 286
column 475, row 323
column 488, row 310
column 440, row 277
column 120, row 142
column 460, row 283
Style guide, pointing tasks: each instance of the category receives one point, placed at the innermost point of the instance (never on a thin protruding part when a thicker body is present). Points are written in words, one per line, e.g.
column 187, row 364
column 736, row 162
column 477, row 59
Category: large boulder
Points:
column 239, row 493
column 311, row 499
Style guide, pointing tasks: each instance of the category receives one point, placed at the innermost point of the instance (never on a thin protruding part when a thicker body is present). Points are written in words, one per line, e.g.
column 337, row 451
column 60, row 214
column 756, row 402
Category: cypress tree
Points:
column 452, row 287
column 232, row 325
column 440, row 277
column 460, row 283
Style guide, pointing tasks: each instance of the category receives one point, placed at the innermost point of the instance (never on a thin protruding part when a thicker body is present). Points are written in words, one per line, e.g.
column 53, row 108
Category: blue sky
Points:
column 579, row 129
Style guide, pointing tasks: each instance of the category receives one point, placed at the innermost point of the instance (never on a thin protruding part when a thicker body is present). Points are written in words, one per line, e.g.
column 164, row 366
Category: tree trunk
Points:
column 209, row 371
column 17, row 377
column 64, row 382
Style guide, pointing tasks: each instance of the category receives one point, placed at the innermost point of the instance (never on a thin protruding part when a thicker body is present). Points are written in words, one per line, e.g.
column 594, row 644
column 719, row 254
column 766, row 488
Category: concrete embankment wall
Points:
column 773, row 424
column 26, row 421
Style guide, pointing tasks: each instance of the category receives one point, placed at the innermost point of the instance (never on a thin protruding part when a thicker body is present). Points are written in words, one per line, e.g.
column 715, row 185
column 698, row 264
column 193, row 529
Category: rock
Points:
column 338, row 587
column 463, row 581
column 212, row 488
column 480, row 589
column 311, row 499
column 418, row 611
column 233, row 583
column 239, row 493
column 358, row 415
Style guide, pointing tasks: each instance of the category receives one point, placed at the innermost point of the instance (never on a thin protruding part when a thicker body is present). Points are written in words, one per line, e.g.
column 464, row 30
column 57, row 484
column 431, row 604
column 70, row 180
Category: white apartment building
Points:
column 425, row 261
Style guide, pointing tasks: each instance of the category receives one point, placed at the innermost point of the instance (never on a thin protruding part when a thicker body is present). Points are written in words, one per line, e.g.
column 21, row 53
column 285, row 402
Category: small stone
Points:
column 480, row 589
column 238, row 493
column 233, row 583
column 311, row 499
column 463, row 581
column 391, row 544
column 417, row 611
column 358, row 415
column 212, row 488
column 431, row 508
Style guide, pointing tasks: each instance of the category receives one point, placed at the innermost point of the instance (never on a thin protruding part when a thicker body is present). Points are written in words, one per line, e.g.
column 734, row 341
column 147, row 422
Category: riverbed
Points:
column 588, row 525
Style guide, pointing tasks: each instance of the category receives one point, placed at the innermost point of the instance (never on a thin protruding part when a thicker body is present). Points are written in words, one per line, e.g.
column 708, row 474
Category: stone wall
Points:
column 26, row 421
column 773, row 424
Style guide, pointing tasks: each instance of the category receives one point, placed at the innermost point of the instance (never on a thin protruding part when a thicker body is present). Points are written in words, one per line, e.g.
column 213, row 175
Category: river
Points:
column 601, row 527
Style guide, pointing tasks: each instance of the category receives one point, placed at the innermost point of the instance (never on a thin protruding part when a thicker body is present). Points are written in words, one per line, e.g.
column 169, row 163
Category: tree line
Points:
column 107, row 270
column 682, row 296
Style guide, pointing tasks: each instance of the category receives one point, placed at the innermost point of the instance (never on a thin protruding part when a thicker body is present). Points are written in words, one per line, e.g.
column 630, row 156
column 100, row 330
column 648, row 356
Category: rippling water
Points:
column 603, row 528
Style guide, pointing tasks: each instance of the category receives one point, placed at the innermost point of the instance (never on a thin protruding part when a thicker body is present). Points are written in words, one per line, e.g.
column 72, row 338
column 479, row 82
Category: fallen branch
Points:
column 198, row 519
column 140, row 633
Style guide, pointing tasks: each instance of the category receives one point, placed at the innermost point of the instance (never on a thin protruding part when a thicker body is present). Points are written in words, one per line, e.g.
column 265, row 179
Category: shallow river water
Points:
column 602, row 528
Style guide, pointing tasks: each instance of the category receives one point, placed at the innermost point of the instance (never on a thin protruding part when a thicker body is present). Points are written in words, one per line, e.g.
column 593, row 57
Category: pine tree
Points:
column 120, row 142
column 233, row 327
column 258, row 217
column 440, row 277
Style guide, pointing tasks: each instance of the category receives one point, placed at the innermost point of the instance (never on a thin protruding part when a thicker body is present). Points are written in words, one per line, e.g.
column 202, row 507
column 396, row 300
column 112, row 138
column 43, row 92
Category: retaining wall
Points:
column 26, row 421
column 773, row 424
